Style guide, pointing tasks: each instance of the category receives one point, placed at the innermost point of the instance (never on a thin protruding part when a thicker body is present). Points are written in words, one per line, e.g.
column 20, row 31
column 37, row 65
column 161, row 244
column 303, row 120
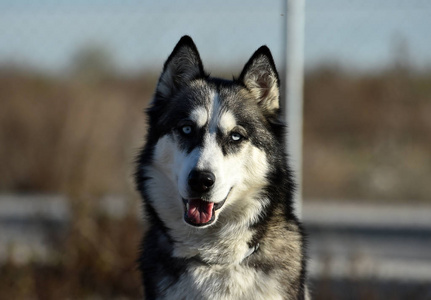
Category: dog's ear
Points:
column 261, row 79
column 183, row 65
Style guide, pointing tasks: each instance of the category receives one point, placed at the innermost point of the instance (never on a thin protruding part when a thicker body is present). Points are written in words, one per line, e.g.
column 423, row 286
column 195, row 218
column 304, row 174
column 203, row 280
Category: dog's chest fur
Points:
column 223, row 282
column 271, row 270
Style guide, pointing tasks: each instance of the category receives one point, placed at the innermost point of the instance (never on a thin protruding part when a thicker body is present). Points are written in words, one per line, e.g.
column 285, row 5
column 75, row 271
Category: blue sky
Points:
column 358, row 34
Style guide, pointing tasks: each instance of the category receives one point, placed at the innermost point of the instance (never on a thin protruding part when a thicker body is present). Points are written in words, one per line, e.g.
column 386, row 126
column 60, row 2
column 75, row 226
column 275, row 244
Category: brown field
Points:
column 366, row 137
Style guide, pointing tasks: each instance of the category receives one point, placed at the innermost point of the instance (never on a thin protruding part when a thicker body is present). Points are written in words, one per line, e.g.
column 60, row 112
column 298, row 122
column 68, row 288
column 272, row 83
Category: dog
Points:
column 216, row 187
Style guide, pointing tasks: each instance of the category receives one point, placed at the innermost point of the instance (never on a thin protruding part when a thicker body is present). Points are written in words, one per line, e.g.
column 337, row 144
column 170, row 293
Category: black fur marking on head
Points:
column 186, row 42
column 183, row 65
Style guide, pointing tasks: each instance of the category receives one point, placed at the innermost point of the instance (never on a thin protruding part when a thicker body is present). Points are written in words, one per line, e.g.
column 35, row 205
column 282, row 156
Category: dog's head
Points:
column 209, row 139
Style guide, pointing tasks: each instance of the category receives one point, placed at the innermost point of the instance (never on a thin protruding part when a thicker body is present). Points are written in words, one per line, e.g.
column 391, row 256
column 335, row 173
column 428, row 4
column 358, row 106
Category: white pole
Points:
column 294, row 91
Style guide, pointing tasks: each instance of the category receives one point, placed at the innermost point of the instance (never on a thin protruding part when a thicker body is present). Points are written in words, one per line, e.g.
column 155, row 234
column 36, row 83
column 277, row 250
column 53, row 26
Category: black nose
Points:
column 201, row 181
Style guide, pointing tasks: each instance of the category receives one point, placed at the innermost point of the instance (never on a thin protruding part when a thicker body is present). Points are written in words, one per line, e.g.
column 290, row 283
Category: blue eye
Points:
column 187, row 129
column 235, row 136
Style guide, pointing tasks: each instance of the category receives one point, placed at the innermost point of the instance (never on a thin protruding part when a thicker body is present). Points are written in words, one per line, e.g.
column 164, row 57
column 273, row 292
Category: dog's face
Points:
column 209, row 139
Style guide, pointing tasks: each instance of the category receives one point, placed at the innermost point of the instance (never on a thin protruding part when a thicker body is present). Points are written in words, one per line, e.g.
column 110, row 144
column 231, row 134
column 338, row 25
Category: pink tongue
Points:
column 200, row 212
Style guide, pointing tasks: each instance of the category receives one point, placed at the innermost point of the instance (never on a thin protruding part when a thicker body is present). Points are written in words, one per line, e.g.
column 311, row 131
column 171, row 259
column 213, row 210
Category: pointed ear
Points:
column 182, row 66
column 261, row 79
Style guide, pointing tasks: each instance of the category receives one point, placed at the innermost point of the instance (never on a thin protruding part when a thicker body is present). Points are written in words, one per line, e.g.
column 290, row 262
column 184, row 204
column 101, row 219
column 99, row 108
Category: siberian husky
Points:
column 216, row 186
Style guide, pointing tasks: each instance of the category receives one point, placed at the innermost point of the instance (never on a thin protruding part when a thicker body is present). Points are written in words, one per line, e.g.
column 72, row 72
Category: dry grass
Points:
column 94, row 259
column 66, row 136
column 367, row 137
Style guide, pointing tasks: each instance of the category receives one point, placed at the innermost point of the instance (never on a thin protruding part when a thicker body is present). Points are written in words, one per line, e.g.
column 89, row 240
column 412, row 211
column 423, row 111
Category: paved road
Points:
column 345, row 240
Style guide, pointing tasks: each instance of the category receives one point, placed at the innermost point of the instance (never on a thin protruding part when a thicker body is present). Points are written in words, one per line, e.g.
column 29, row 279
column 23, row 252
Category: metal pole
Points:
column 294, row 91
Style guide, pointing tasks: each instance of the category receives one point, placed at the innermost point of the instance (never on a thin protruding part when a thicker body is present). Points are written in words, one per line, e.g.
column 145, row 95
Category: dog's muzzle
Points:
column 198, row 211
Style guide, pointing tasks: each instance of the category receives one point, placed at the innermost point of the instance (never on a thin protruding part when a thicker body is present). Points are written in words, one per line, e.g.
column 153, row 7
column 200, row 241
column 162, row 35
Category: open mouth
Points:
column 198, row 212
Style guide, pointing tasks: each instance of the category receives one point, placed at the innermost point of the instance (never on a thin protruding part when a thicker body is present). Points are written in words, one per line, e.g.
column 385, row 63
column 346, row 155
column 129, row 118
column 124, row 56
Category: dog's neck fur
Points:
column 250, row 252
column 226, row 249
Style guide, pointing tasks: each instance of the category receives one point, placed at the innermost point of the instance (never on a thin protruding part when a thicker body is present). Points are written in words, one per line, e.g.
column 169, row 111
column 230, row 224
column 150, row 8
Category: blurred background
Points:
column 75, row 77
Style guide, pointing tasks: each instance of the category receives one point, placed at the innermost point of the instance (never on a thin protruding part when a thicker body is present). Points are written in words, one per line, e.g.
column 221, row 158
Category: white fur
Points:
column 223, row 283
column 227, row 122
column 199, row 116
